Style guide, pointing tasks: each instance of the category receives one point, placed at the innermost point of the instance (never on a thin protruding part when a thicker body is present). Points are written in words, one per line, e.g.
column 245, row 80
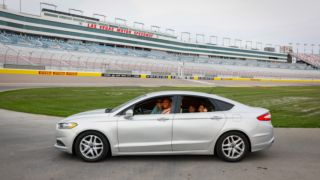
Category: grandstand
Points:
column 58, row 40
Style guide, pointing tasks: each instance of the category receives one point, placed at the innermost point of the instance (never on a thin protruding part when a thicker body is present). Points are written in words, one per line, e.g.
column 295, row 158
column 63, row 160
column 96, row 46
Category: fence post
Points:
column 18, row 56
column 41, row 58
column 51, row 60
column 5, row 57
column 30, row 56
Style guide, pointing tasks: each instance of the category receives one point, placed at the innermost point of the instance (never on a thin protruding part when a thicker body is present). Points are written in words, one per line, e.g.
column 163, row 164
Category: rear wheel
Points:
column 91, row 146
column 232, row 146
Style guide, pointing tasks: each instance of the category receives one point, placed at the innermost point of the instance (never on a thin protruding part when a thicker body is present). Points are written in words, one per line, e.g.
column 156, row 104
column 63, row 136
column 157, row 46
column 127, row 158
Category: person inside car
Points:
column 202, row 108
column 191, row 109
column 157, row 108
column 166, row 106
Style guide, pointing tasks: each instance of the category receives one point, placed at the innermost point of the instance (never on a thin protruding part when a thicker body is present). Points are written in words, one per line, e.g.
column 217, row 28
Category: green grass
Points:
column 290, row 106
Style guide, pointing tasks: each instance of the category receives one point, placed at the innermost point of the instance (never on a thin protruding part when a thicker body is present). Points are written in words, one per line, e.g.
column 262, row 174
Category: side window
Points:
column 194, row 104
column 221, row 105
column 158, row 105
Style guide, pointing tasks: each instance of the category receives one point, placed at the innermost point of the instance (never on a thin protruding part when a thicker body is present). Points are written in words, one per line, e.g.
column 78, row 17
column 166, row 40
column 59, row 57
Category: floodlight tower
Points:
column 4, row 4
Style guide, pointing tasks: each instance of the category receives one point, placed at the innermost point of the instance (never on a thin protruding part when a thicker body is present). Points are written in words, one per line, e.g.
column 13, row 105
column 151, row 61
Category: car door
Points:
column 146, row 132
column 194, row 131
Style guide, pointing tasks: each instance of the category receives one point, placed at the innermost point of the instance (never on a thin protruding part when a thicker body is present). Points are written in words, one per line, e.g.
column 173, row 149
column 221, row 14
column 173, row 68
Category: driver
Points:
column 166, row 106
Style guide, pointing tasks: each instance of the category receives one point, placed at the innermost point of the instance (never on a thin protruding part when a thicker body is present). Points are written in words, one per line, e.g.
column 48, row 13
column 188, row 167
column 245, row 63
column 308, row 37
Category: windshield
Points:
column 128, row 102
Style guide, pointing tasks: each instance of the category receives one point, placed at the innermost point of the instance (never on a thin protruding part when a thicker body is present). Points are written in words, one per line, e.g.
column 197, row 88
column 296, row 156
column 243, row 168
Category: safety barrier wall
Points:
column 48, row 73
column 142, row 76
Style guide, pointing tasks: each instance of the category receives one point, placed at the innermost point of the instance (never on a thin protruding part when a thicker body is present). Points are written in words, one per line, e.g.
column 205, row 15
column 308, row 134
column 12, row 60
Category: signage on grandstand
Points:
column 120, row 30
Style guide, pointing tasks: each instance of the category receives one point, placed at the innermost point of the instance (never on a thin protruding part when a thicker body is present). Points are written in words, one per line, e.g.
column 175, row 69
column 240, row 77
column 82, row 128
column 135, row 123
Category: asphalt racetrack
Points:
column 27, row 152
column 27, row 140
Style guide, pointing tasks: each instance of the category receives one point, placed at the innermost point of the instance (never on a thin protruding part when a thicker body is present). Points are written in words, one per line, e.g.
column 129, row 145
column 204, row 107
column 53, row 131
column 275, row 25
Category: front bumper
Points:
column 64, row 139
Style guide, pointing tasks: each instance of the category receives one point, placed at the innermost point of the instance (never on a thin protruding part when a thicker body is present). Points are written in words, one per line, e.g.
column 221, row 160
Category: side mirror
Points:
column 128, row 114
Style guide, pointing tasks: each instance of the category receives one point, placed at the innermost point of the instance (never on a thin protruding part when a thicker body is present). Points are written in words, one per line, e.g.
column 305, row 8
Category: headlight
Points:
column 68, row 125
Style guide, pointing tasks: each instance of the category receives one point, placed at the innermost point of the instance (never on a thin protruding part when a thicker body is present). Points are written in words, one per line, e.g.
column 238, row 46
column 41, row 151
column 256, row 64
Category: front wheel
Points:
column 232, row 146
column 91, row 146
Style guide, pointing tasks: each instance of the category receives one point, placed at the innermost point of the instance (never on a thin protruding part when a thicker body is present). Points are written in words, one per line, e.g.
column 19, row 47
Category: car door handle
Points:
column 163, row 119
column 216, row 117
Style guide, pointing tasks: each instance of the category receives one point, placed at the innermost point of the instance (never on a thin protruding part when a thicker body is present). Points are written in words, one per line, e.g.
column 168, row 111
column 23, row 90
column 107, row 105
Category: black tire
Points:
column 238, row 156
column 103, row 153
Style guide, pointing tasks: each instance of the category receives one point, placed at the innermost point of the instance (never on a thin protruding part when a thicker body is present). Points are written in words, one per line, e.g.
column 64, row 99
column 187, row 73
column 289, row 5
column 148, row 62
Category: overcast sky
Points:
column 267, row 21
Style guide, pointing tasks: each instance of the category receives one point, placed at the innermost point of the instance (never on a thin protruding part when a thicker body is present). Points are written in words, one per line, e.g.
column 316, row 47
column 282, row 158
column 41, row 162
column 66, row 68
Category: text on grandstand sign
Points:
column 120, row 30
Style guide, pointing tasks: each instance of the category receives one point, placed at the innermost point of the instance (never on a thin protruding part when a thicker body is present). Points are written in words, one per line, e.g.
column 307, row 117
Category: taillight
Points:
column 265, row 117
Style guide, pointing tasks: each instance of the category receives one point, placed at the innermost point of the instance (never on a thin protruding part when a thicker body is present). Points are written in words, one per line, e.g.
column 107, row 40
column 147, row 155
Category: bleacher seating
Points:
column 312, row 59
column 54, row 53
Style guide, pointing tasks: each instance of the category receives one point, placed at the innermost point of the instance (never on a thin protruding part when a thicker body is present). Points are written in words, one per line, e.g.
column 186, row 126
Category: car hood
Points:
column 87, row 114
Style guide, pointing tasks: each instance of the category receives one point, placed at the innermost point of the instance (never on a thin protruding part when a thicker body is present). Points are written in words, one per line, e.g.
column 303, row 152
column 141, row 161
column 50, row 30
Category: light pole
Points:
column 297, row 47
column 304, row 48
column 312, row 48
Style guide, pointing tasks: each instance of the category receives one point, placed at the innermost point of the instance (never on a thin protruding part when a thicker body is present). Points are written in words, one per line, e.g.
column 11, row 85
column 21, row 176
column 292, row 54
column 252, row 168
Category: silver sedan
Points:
column 168, row 122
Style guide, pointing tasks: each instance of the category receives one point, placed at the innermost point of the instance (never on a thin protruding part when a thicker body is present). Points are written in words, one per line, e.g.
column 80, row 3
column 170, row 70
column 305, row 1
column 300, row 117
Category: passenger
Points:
column 166, row 106
column 191, row 109
column 157, row 108
column 202, row 108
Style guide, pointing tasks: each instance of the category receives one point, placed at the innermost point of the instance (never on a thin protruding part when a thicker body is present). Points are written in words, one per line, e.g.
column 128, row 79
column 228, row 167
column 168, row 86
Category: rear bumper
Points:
column 262, row 145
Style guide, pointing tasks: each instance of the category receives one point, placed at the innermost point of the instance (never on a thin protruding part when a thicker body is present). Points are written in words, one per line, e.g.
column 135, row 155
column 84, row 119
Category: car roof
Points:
column 159, row 93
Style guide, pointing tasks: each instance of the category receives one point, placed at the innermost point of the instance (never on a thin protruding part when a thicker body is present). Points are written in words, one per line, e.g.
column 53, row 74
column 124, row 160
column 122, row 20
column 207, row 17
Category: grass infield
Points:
column 289, row 106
